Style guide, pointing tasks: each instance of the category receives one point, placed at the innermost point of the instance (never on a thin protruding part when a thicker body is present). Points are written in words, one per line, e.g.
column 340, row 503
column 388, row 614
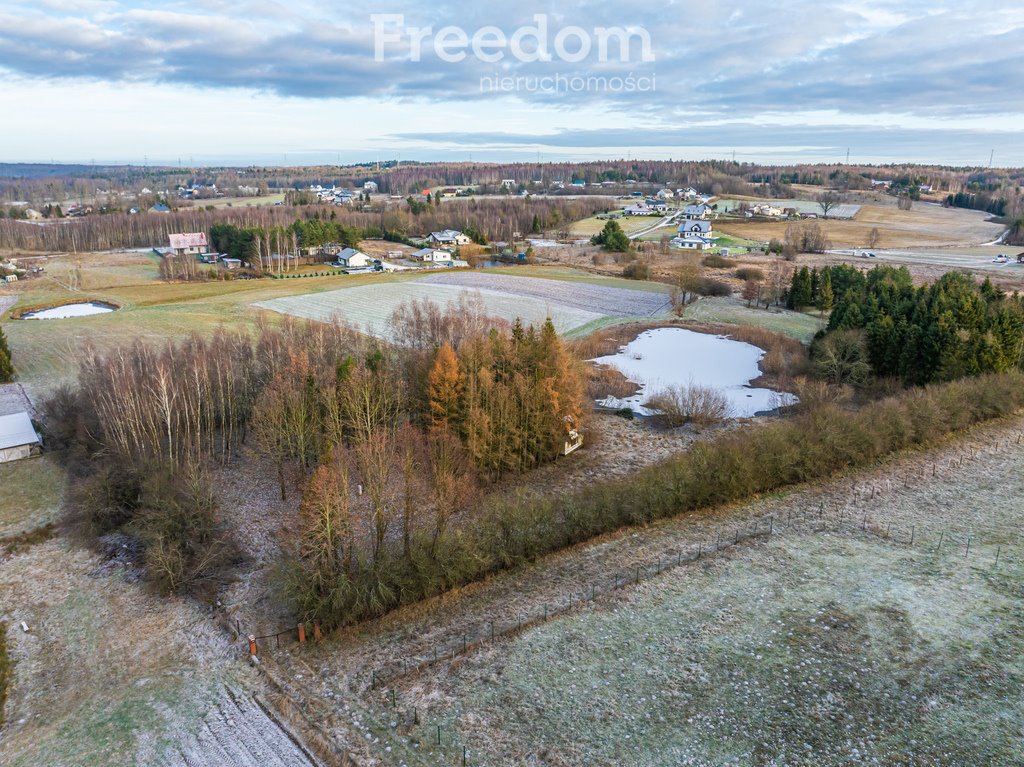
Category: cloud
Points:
column 938, row 58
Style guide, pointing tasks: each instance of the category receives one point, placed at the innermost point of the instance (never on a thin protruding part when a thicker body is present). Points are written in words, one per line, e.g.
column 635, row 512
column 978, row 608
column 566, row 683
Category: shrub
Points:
column 750, row 273
column 636, row 270
column 712, row 287
column 700, row 405
column 714, row 261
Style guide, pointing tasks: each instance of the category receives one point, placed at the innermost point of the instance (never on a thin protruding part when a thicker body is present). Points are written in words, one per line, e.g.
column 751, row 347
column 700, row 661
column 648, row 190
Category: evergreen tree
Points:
column 6, row 366
column 612, row 238
column 445, row 384
column 825, row 297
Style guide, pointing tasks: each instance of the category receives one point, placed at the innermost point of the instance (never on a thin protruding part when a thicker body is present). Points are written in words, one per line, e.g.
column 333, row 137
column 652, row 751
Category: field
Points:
column 588, row 227
column 842, row 211
column 31, row 495
column 109, row 674
column 874, row 627
column 570, row 305
column 925, row 225
column 733, row 311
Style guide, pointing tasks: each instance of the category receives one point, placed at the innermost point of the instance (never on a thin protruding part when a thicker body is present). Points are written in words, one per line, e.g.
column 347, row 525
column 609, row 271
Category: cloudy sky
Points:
column 298, row 81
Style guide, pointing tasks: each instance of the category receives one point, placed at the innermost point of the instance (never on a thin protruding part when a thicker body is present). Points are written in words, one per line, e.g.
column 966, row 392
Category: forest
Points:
column 388, row 447
column 950, row 329
column 492, row 219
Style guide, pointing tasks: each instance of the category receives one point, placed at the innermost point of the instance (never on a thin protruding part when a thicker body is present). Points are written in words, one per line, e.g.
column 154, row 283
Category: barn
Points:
column 18, row 438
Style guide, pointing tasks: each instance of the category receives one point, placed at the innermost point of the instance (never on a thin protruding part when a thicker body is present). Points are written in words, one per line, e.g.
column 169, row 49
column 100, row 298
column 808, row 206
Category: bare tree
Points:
column 827, row 202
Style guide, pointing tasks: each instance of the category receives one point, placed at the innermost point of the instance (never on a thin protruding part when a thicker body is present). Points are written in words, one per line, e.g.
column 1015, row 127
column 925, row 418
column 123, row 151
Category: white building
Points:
column 431, row 255
column 696, row 211
column 448, row 238
column 353, row 258
column 370, row 186
column 18, row 438
column 190, row 244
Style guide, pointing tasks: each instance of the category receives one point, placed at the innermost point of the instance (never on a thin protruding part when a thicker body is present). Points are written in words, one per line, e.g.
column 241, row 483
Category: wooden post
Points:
column 302, row 633
column 252, row 646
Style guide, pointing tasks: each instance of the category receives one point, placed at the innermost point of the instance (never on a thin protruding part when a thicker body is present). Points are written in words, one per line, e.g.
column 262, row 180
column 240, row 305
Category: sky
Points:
column 301, row 82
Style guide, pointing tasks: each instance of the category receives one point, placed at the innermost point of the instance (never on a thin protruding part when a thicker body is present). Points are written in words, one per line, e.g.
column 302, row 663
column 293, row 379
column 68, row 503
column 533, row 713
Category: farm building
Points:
column 190, row 244
column 18, row 438
column 370, row 186
column 353, row 258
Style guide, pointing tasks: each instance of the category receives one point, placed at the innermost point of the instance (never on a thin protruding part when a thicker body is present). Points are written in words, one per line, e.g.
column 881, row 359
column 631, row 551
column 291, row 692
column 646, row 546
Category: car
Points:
column 869, row 255
column 1002, row 258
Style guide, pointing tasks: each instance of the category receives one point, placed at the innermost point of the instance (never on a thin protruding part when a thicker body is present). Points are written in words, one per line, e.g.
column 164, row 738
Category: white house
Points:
column 696, row 211
column 508, row 183
column 688, row 194
column 666, row 194
column 431, row 255
column 370, row 186
column 692, row 242
column 695, row 227
column 448, row 238
column 353, row 258
column 190, row 244
column 638, row 209
column 18, row 438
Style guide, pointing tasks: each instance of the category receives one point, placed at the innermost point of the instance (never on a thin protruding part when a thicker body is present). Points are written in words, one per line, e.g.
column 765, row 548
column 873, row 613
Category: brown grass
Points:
column 926, row 225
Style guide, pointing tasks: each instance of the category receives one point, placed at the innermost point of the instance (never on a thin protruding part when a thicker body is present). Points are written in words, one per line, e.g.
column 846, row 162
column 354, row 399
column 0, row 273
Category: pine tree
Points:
column 445, row 382
column 825, row 296
column 6, row 366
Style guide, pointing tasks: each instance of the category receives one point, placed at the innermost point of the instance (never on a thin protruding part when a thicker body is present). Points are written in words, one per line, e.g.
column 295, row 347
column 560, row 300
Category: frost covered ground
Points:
column 673, row 357
column 846, row 645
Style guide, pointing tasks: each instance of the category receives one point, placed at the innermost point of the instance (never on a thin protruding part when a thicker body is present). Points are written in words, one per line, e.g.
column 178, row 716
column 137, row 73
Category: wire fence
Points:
column 988, row 548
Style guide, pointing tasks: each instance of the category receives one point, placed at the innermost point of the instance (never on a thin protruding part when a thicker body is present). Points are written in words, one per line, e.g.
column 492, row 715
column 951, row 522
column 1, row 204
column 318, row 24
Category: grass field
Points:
column 588, row 227
column 923, row 225
column 31, row 494
column 733, row 311
column 845, row 641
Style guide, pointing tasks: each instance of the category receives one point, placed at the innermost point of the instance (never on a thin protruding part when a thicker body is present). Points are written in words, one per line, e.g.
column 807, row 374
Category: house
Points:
column 231, row 263
column 692, row 242
column 696, row 211
column 18, row 438
column 695, row 227
column 579, row 184
column 449, row 238
column 638, row 209
column 658, row 206
column 431, row 255
column 508, row 183
column 370, row 186
column 687, row 194
column 191, row 244
column 353, row 258
column 764, row 209
column 666, row 194
column 159, row 208
column 33, row 215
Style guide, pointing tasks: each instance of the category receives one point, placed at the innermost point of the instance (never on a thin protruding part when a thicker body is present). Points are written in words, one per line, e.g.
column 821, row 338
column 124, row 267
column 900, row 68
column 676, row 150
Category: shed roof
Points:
column 17, row 430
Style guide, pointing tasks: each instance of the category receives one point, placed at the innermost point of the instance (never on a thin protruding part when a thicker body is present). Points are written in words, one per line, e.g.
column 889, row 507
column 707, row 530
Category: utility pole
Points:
column 847, row 155
column 991, row 157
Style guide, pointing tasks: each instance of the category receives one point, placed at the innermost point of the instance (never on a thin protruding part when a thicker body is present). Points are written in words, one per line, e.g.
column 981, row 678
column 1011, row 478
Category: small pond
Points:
column 665, row 357
column 84, row 309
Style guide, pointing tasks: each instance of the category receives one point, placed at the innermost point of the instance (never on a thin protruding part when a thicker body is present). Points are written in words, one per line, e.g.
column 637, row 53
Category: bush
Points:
column 749, row 273
column 712, row 287
column 636, row 270
column 715, row 261
column 700, row 405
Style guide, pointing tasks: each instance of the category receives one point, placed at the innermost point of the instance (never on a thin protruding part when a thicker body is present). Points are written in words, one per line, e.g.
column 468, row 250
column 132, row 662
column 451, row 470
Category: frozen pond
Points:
column 68, row 310
column 664, row 357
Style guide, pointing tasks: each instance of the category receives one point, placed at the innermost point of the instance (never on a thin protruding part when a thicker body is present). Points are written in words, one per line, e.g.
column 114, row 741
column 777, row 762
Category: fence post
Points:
column 253, row 649
column 439, row 735
column 302, row 633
